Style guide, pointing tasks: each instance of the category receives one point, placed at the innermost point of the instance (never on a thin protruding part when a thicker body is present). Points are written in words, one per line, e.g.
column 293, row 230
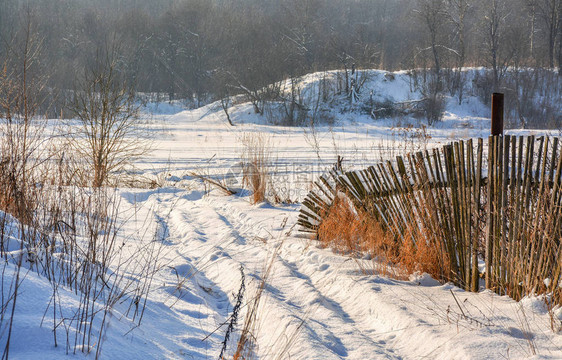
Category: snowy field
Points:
column 314, row 304
column 201, row 140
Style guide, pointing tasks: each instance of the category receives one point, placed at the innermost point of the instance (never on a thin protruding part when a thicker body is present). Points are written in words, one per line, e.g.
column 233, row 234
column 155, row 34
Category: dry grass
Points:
column 420, row 252
column 350, row 231
column 256, row 157
column 7, row 200
column 247, row 343
column 256, row 308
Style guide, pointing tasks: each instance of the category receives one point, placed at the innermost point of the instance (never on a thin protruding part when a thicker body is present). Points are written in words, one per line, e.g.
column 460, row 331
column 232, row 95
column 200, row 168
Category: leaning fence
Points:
column 493, row 210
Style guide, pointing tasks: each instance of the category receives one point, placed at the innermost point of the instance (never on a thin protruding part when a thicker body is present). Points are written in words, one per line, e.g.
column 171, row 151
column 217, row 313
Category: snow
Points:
column 316, row 304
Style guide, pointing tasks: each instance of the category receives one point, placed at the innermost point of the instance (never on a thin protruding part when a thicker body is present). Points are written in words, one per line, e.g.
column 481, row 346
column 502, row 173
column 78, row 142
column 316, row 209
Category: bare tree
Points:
column 176, row 47
column 457, row 14
column 494, row 27
column 432, row 14
column 549, row 12
column 531, row 6
column 221, row 89
column 107, row 113
column 560, row 40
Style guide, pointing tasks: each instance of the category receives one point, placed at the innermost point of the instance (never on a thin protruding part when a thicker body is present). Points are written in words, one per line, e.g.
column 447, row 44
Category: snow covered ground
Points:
column 315, row 304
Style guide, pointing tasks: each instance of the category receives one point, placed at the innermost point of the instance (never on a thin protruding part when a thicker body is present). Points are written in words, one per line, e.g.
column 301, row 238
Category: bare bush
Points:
column 433, row 103
column 73, row 239
column 109, row 130
column 434, row 107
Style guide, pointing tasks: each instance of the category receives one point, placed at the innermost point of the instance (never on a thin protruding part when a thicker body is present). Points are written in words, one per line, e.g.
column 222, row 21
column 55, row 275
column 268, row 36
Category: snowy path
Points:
column 330, row 332
column 316, row 304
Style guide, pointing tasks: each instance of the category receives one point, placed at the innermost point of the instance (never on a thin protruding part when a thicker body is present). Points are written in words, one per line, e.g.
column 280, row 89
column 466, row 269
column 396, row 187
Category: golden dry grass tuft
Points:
column 256, row 157
column 350, row 231
column 420, row 253
column 347, row 230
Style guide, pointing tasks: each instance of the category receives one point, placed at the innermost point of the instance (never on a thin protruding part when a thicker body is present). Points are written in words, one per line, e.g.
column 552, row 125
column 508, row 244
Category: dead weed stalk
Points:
column 256, row 157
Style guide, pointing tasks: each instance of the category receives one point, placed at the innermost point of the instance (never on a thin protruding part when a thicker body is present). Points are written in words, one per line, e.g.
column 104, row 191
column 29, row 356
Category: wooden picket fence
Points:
column 502, row 210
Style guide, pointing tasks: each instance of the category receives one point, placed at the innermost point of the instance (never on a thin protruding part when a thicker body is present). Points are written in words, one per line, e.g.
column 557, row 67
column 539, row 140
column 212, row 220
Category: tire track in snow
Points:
column 329, row 332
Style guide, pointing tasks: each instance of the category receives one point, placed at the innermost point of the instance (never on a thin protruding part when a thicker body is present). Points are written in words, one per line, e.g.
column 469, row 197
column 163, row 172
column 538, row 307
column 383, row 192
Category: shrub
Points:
column 380, row 109
column 420, row 252
column 433, row 108
column 106, row 108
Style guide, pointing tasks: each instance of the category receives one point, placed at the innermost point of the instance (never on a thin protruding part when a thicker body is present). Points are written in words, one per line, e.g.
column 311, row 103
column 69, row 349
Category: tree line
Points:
column 206, row 49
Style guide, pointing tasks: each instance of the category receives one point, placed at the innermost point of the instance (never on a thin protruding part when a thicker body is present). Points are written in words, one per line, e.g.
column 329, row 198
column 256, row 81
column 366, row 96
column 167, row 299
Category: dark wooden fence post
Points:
column 497, row 114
